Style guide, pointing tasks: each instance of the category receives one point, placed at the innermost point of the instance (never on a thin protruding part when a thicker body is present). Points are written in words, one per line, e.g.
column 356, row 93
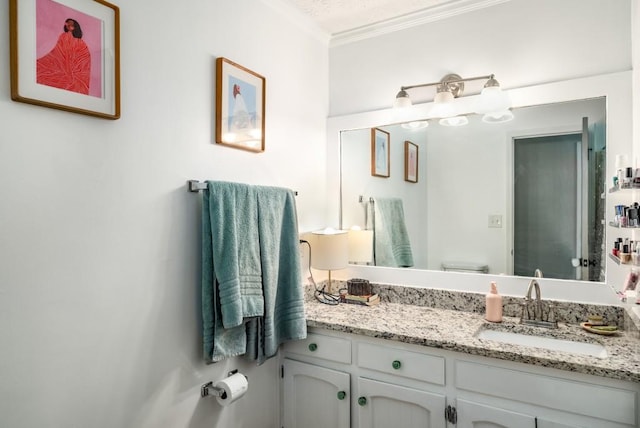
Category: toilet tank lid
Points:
column 478, row 267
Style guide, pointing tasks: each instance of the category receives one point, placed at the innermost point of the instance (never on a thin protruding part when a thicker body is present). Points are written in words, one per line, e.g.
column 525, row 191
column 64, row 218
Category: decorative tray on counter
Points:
column 605, row 330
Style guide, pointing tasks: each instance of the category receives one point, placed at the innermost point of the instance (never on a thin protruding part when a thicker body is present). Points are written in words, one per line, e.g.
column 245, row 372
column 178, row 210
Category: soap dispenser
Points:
column 494, row 304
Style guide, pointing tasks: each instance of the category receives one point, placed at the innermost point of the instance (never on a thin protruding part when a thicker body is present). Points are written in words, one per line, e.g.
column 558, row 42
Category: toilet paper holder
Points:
column 210, row 390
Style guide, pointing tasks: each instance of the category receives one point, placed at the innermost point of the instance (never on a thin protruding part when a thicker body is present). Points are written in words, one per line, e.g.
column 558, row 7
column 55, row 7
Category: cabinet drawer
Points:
column 597, row 401
column 324, row 347
column 400, row 362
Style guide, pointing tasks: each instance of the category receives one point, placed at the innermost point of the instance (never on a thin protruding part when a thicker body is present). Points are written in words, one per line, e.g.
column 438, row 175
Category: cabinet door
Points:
column 315, row 397
column 384, row 405
column 474, row 415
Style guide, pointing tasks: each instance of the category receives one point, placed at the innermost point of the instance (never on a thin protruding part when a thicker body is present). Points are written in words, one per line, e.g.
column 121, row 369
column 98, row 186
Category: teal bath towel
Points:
column 284, row 317
column 392, row 246
column 251, row 288
column 233, row 210
column 218, row 343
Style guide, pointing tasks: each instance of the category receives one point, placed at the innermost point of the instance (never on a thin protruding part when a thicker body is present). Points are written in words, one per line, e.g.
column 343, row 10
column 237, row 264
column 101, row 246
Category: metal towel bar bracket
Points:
column 196, row 186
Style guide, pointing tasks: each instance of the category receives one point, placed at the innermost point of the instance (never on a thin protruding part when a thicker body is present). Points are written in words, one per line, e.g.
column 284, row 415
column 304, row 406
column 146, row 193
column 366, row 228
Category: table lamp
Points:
column 330, row 251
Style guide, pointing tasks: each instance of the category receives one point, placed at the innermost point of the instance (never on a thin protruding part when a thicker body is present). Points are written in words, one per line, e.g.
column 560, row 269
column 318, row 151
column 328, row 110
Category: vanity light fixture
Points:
column 492, row 103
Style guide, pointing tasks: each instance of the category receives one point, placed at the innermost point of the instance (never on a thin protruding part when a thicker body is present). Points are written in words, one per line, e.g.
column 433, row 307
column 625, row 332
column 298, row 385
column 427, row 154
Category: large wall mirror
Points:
column 468, row 177
column 503, row 198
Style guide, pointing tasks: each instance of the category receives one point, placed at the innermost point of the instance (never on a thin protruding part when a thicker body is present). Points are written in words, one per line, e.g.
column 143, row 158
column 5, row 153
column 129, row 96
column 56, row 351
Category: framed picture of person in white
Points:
column 240, row 100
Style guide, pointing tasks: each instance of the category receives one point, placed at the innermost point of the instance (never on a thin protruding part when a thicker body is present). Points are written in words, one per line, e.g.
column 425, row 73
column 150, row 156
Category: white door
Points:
column 474, row 415
column 315, row 397
column 384, row 405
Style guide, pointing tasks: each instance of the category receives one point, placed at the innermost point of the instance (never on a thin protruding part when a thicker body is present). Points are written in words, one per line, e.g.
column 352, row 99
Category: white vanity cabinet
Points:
column 550, row 397
column 383, row 397
column 316, row 373
column 315, row 397
column 392, row 384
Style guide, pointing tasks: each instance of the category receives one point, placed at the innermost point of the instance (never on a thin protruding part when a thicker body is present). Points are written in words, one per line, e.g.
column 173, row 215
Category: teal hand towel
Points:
column 235, row 243
column 392, row 246
column 218, row 343
column 284, row 317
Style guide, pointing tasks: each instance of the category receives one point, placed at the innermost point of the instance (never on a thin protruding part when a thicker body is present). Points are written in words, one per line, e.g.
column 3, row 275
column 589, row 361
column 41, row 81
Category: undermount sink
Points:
column 543, row 342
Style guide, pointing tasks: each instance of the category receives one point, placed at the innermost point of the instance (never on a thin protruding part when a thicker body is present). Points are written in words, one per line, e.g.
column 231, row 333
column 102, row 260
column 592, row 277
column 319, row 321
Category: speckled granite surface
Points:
column 449, row 320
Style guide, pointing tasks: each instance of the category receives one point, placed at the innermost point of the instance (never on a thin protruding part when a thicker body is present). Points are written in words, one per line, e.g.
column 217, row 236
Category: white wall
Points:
column 99, row 238
column 523, row 42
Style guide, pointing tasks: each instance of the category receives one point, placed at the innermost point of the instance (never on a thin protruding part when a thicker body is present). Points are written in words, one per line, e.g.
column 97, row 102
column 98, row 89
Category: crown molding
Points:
column 410, row 20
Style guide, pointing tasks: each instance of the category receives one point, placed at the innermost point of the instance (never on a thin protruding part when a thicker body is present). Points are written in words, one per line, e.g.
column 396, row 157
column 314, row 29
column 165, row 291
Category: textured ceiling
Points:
column 336, row 16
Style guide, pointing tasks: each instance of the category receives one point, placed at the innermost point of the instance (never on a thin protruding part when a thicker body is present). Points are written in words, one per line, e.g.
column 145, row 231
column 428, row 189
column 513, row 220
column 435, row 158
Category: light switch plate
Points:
column 495, row 220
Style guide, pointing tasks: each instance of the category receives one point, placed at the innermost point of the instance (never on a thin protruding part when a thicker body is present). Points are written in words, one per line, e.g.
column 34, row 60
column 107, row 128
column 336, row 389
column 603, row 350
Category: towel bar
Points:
column 196, row 186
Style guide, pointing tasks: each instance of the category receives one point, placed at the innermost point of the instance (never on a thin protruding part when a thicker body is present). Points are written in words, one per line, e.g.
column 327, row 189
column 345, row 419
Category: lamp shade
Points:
column 360, row 246
column 493, row 99
column 443, row 105
column 402, row 100
column 330, row 250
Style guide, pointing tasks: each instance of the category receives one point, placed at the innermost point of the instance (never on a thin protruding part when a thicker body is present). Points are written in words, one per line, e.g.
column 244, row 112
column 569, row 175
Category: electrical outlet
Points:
column 495, row 220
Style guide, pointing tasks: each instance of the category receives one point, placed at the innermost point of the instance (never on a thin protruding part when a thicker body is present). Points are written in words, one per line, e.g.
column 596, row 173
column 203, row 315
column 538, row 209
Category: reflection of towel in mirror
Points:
column 391, row 240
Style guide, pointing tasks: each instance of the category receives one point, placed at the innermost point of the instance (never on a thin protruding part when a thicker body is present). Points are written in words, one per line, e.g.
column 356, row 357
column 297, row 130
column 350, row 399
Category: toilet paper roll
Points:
column 233, row 387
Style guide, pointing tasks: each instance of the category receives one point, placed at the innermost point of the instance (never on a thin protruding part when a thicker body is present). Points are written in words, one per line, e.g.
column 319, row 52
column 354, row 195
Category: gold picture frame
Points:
column 240, row 101
column 410, row 162
column 65, row 54
column 380, row 161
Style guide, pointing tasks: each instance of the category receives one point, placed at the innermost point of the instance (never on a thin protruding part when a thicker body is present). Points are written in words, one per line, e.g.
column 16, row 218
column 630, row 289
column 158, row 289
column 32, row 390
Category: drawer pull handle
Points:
column 362, row 401
column 342, row 395
column 313, row 347
column 396, row 364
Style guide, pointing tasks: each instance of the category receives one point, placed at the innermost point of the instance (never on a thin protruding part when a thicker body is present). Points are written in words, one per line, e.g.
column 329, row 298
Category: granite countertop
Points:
column 454, row 330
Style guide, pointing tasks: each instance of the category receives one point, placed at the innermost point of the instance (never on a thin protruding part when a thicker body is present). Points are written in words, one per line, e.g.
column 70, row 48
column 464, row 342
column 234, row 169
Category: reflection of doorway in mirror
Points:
column 554, row 216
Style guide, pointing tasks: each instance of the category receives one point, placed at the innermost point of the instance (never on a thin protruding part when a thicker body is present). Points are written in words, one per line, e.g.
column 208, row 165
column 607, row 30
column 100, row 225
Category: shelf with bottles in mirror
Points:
column 625, row 252
column 626, row 216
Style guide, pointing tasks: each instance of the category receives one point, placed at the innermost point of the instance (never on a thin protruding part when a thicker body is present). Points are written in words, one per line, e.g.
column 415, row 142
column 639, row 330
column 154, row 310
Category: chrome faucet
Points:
column 537, row 310
column 538, row 315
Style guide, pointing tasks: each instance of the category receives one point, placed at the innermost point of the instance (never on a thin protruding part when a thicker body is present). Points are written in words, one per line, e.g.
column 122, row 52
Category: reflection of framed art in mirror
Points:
column 380, row 152
column 410, row 162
